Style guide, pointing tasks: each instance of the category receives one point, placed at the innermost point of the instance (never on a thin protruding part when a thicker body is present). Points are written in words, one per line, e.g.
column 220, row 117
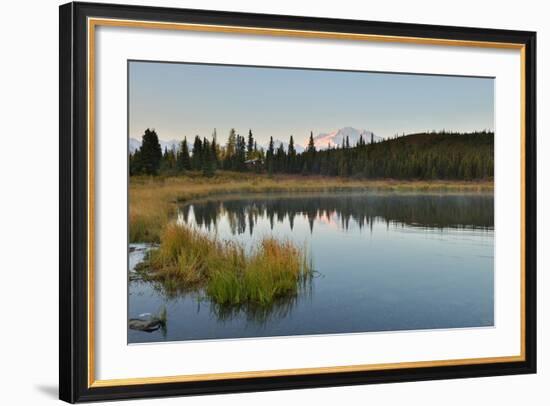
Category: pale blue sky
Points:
column 186, row 99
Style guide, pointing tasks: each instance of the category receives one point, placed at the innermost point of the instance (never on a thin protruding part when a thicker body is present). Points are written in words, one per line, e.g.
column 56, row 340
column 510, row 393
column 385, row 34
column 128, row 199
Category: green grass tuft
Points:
column 188, row 258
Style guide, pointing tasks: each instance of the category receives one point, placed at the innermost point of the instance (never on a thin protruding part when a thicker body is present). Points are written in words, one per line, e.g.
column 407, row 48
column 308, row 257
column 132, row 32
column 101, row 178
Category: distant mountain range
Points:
column 338, row 137
column 322, row 141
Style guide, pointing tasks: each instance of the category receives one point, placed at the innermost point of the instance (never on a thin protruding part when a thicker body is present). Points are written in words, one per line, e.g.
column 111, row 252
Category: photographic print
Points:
column 261, row 202
column 272, row 201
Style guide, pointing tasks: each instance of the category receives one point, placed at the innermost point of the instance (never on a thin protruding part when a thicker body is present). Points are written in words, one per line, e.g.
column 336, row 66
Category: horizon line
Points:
column 441, row 131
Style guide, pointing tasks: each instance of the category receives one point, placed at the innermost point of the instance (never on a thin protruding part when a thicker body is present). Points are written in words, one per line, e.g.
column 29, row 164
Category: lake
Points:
column 383, row 261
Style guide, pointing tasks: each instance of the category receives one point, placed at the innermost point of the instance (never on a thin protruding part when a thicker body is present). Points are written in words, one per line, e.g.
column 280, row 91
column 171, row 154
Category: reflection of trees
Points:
column 472, row 211
column 436, row 211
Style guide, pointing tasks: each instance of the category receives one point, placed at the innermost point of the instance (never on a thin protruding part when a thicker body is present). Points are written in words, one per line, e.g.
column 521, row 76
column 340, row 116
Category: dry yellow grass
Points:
column 153, row 199
column 189, row 258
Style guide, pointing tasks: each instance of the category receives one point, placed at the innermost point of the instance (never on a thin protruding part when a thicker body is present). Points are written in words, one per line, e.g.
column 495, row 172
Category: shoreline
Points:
column 264, row 182
column 152, row 200
column 238, row 195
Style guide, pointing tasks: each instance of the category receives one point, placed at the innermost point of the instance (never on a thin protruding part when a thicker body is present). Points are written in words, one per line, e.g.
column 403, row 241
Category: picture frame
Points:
column 79, row 163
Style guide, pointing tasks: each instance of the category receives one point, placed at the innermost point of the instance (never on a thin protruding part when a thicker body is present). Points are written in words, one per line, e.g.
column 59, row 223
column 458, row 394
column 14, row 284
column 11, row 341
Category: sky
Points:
column 178, row 99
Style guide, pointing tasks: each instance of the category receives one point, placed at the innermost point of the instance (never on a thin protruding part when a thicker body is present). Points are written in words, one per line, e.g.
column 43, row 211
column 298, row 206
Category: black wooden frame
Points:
column 73, row 330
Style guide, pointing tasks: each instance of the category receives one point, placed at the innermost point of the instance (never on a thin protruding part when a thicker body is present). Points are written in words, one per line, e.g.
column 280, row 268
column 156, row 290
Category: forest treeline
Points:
column 432, row 155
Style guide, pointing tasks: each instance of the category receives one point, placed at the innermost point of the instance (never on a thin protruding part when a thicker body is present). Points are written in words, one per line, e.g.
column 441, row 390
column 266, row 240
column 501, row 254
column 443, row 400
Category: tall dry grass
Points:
column 188, row 258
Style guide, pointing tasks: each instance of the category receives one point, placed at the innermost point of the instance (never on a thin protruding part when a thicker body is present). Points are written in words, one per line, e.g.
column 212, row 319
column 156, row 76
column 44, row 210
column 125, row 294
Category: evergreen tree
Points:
column 196, row 160
column 208, row 159
column 168, row 161
column 135, row 165
column 291, row 165
column 250, row 146
column 280, row 159
column 150, row 153
column 183, row 159
column 215, row 148
column 309, row 159
column 311, row 144
column 269, row 156
column 240, row 155
column 214, row 151
column 230, row 150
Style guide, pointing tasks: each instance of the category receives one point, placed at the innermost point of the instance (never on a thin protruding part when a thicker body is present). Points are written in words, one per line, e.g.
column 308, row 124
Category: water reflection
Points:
column 436, row 211
column 253, row 313
column 382, row 261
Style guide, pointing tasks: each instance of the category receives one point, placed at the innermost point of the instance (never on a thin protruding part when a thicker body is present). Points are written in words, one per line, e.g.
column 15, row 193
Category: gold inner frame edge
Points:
column 92, row 23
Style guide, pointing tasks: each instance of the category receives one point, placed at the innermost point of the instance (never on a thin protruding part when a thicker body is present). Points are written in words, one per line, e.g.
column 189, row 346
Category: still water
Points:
column 382, row 261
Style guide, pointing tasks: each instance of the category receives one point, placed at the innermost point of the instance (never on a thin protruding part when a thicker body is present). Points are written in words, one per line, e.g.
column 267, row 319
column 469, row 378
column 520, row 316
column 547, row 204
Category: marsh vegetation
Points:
column 224, row 271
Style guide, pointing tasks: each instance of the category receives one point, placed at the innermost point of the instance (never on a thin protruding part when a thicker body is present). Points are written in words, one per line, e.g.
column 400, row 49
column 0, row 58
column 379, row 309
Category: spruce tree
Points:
column 309, row 163
column 150, row 153
column 291, row 155
column 135, row 164
column 215, row 148
column 196, row 160
column 168, row 161
column 250, row 146
column 240, row 155
column 269, row 156
column 311, row 143
column 183, row 158
column 208, row 164
column 280, row 158
column 230, row 149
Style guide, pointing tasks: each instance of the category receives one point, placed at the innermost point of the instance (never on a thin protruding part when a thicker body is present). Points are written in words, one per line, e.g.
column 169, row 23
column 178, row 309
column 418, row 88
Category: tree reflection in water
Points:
column 470, row 211
column 436, row 211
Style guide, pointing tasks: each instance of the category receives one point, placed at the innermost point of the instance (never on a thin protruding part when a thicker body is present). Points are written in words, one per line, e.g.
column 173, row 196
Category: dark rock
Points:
column 148, row 325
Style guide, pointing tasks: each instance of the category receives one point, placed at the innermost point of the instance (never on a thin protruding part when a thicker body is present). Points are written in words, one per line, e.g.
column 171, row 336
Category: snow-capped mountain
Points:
column 134, row 145
column 338, row 137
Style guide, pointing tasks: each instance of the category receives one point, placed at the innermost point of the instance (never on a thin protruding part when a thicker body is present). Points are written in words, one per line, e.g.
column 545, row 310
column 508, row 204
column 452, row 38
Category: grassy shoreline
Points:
column 153, row 200
column 189, row 259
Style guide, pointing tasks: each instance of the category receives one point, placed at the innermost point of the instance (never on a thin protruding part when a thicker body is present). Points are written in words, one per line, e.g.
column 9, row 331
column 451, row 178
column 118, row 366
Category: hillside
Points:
column 416, row 156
